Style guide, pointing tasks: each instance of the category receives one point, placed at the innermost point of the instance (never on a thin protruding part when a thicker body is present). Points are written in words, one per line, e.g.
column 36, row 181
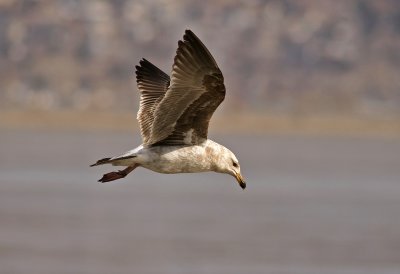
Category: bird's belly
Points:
column 177, row 160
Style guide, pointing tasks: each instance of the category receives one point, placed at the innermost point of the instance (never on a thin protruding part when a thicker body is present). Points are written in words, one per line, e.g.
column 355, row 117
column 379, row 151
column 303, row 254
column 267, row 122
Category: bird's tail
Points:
column 113, row 160
column 102, row 162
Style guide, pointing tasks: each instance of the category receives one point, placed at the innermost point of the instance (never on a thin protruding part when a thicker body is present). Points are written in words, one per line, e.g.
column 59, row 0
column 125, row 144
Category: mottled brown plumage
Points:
column 152, row 84
column 178, row 111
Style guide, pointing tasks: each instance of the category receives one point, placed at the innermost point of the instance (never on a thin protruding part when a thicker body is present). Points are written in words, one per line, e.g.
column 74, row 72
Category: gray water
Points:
column 313, row 205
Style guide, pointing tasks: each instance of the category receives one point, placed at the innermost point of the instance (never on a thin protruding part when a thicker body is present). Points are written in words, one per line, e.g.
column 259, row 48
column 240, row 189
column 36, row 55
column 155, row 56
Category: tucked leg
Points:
column 115, row 175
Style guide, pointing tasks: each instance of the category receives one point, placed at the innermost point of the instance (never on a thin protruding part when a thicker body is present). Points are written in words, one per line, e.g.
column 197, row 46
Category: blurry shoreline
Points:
column 238, row 123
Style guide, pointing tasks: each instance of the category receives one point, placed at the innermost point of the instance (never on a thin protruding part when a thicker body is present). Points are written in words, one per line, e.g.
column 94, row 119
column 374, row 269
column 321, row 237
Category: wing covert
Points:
column 196, row 90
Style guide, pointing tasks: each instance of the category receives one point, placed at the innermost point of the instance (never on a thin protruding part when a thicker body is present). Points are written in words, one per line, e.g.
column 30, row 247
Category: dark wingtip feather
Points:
column 196, row 46
column 144, row 62
column 191, row 37
column 188, row 32
column 146, row 71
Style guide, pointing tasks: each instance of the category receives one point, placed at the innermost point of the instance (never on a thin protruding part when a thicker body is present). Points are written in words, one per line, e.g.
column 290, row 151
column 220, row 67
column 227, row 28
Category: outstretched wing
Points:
column 196, row 90
column 152, row 84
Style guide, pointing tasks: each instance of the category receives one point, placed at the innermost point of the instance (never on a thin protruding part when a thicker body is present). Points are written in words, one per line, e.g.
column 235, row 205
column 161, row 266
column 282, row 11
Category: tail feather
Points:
column 102, row 162
column 112, row 160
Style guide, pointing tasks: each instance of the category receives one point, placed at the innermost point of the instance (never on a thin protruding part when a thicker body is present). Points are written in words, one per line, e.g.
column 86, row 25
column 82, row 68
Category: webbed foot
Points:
column 115, row 175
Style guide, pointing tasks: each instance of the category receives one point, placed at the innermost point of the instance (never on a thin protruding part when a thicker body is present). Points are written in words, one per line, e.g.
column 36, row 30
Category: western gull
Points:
column 174, row 114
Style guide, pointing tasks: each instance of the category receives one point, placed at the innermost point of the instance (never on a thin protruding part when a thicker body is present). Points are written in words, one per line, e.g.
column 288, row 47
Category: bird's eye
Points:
column 235, row 164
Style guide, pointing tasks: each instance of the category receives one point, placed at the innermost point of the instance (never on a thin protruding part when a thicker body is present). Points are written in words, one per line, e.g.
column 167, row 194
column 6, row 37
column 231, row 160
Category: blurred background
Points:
column 312, row 112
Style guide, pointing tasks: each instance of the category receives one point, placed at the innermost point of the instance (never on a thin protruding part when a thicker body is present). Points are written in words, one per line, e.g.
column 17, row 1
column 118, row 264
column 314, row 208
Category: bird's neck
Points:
column 214, row 153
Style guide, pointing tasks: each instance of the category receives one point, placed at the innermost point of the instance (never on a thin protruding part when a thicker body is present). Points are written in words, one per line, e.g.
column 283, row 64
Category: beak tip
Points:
column 240, row 180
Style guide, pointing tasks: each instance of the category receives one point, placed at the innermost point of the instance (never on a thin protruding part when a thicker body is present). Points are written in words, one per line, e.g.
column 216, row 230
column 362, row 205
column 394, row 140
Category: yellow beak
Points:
column 240, row 180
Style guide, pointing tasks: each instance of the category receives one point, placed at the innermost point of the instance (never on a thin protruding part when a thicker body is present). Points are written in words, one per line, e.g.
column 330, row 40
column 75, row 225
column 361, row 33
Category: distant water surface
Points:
column 313, row 205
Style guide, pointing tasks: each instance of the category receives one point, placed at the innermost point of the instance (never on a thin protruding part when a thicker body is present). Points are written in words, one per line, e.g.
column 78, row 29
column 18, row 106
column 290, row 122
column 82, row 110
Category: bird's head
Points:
column 229, row 164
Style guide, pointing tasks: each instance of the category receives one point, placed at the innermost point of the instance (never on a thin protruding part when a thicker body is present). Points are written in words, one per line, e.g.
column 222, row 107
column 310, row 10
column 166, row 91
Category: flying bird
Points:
column 174, row 115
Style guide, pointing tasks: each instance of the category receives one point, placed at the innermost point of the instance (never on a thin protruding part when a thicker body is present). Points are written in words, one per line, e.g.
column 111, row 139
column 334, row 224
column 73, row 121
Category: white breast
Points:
column 175, row 159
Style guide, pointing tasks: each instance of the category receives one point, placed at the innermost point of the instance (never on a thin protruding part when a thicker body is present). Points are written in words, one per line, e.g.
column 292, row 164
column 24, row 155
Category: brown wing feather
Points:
column 152, row 83
column 196, row 90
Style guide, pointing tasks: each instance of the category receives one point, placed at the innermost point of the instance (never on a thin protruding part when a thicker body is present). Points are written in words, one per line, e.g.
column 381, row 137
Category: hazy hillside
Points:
column 277, row 56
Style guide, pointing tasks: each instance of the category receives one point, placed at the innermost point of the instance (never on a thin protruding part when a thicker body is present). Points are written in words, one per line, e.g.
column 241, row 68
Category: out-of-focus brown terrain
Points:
column 290, row 57
column 233, row 123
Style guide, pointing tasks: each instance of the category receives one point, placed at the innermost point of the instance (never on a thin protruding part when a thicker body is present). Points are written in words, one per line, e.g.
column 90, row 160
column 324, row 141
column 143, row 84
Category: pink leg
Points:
column 115, row 175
